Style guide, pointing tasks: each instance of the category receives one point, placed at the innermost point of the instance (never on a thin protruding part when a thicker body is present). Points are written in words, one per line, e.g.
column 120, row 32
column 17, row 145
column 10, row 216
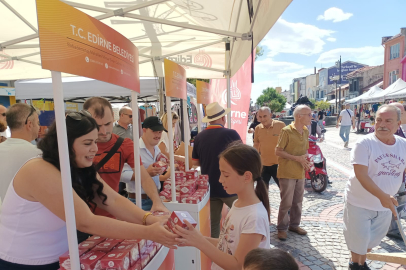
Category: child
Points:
column 269, row 259
column 246, row 226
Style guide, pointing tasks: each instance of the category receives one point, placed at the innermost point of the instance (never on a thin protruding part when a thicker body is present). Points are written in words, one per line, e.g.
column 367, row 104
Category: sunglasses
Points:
column 79, row 115
column 129, row 115
column 32, row 111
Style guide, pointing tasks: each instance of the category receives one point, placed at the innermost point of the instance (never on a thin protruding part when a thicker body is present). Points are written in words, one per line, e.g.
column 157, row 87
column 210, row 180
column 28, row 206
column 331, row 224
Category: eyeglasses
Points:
column 306, row 114
column 129, row 115
column 79, row 115
column 32, row 111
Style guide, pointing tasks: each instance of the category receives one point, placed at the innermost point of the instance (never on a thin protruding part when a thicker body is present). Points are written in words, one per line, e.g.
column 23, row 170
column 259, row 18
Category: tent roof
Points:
column 79, row 88
column 192, row 33
column 374, row 90
column 400, row 93
column 382, row 95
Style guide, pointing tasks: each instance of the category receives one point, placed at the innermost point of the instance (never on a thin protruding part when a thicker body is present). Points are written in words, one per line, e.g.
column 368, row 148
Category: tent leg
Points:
column 65, row 169
column 228, row 101
column 171, row 151
column 199, row 118
column 136, row 135
column 185, row 121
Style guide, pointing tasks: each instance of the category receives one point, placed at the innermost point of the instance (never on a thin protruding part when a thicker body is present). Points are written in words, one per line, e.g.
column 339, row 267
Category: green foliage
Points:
column 193, row 81
column 259, row 51
column 313, row 101
column 322, row 105
column 272, row 99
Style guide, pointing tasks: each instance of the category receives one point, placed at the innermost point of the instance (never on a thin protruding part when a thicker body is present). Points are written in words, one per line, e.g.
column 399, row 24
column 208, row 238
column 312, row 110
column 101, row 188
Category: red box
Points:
column 105, row 246
column 203, row 177
column 158, row 246
column 177, row 218
column 187, row 188
column 167, row 185
column 136, row 266
column 165, row 194
column 91, row 260
column 177, row 196
column 193, row 200
column 151, row 250
column 141, row 243
column 202, row 183
column 87, row 245
column 116, row 260
column 114, row 240
column 144, row 260
column 64, row 259
column 183, row 198
column 132, row 249
column 192, row 175
column 161, row 165
column 162, row 158
column 179, row 175
column 97, row 239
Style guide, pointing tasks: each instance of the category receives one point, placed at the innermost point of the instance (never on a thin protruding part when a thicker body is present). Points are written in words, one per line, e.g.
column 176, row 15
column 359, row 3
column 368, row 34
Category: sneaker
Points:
column 346, row 144
column 354, row 266
column 365, row 266
column 282, row 235
column 297, row 230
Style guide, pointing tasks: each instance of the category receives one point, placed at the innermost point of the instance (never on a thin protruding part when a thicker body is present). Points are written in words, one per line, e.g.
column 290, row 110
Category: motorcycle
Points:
column 317, row 174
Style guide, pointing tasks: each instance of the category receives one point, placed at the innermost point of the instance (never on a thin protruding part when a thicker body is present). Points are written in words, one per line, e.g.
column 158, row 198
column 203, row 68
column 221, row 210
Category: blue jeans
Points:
column 146, row 204
column 321, row 124
column 345, row 133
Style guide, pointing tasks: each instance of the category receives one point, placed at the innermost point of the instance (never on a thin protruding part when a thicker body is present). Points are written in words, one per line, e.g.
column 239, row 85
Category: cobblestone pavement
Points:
column 324, row 246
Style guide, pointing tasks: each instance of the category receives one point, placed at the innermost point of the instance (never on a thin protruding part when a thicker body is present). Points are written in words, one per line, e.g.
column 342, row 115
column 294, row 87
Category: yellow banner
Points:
column 175, row 80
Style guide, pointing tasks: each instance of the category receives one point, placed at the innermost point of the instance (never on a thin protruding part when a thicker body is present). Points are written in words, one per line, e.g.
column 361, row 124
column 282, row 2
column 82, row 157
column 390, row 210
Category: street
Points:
column 324, row 246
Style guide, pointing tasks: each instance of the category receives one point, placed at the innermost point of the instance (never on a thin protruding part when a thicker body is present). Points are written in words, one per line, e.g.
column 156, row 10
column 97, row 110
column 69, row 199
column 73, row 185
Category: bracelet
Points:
column 144, row 219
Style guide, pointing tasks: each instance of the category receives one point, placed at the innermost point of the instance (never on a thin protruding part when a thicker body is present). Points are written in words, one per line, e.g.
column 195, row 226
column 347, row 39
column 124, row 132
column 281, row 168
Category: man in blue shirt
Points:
column 208, row 145
column 152, row 130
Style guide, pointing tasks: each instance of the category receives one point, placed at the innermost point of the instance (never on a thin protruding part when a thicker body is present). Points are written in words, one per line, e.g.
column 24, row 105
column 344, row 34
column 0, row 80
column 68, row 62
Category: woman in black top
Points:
column 253, row 126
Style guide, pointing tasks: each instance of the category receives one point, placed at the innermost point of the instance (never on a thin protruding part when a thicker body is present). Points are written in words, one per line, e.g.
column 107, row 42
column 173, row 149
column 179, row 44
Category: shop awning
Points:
column 333, row 101
column 398, row 94
column 7, row 91
column 382, row 95
column 192, row 33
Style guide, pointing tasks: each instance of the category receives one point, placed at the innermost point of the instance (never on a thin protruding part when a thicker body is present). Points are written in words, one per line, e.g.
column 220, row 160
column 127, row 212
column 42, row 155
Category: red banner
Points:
column 240, row 87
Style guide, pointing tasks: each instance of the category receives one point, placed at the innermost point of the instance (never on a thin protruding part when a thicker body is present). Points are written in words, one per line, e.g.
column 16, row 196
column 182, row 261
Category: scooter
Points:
column 317, row 175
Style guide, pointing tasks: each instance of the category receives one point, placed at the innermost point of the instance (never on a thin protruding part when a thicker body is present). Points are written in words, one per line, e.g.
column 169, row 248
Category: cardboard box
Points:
column 180, row 175
column 204, row 177
column 96, row 238
column 192, row 175
column 87, row 245
column 136, row 265
column 165, row 194
column 177, row 218
column 64, row 259
column 167, row 185
column 144, row 260
column 187, row 188
column 193, row 200
column 91, row 260
column 105, row 246
column 141, row 243
column 161, row 165
column 151, row 250
column 132, row 249
column 116, row 260
column 183, row 198
column 114, row 240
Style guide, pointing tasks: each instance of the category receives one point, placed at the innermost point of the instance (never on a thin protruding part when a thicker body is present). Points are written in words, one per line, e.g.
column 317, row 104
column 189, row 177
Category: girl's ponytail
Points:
column 262, row 193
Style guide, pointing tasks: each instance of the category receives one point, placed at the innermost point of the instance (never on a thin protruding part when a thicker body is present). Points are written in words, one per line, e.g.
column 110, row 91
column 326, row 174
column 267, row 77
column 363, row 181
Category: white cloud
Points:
column 365, row 55
column 297, row 38
column 331, row 39
column 269, row 66
column 334, row 14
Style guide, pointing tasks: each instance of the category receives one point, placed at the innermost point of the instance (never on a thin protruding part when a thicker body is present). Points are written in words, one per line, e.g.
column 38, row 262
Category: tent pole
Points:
column 65, row 169
column 192, row 49
column 136, row 135
column 228, row 84
column 185, row 121
column 199, row 118
column 195, row 66
column 171, row 151
column 19, row 15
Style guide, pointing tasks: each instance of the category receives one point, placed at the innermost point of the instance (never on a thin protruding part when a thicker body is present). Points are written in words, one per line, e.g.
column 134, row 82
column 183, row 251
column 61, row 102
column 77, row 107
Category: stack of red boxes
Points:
column 98, row 253
column 190, row 187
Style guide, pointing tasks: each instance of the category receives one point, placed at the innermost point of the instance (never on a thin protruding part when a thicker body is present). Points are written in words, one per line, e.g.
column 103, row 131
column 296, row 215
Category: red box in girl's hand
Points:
column 177, row 218
column 91, row 260
column 116, row 260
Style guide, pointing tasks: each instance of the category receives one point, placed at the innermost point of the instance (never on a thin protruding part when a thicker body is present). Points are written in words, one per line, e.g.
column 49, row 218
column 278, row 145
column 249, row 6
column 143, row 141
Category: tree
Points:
column 313, row 101
column 193, row 81
column 259, row 51
column 322, row 105
column 272, row 99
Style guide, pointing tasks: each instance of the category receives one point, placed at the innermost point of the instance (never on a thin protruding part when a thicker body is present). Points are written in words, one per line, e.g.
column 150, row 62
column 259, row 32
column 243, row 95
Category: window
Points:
column 394, row 51
column 393, row 76
column 317, row 94
column 321, row 94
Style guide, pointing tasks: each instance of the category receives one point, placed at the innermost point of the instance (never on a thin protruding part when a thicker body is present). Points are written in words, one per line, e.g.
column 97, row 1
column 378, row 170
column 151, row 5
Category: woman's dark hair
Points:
column 269, row 259
column 84, row 180
column 244, row 158
column 255, row 118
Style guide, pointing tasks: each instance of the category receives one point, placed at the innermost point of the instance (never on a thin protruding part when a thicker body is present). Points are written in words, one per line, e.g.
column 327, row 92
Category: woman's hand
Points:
column 190, row 236
column 159, row 233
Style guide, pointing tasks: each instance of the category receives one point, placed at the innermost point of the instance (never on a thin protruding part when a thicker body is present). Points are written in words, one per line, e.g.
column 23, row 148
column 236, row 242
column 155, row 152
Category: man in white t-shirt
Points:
column 379, row 162
column 15, row 151
column 347, row 119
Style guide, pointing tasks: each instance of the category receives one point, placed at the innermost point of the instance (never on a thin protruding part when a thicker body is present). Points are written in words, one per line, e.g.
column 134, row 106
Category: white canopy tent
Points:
column 373, row 91
column 398, row 94
column 382, row 95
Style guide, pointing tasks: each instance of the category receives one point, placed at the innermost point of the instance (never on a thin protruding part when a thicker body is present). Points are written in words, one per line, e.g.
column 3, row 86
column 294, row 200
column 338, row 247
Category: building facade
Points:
column 288, row 95
column 311, row 84
column 394, row 53
column 363, row 79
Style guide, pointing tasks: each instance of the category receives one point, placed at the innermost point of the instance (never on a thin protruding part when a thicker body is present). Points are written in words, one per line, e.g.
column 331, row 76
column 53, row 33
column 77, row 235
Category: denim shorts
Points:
column 363, row 228
column 146, row 203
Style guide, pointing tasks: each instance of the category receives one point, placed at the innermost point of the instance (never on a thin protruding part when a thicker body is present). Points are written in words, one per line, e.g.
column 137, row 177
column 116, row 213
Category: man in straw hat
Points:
column 207, row 147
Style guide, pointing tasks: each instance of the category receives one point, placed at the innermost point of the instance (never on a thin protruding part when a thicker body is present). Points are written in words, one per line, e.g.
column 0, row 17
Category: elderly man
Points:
column 16, row 150
column 347, row 119
column 111, row 170
column 123, row 127
column 292, row 151
column 207, row 147
column 265, row 139
column 379, row 163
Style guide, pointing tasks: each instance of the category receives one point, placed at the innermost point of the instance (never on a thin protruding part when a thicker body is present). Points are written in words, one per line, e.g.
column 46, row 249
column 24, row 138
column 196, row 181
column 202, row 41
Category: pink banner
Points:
column 240, row 87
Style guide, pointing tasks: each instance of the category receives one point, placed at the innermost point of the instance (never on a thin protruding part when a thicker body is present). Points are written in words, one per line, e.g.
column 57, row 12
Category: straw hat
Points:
column 214, row 111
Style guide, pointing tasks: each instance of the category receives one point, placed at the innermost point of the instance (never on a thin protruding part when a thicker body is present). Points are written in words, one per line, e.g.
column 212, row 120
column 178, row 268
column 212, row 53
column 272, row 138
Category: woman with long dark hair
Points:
column 246, row 226
column 32, row 224
column 253, row 125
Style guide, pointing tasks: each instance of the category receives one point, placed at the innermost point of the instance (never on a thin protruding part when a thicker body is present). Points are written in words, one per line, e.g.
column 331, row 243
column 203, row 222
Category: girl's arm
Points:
column 192, row 237
column 213, row 241
column 33, row 184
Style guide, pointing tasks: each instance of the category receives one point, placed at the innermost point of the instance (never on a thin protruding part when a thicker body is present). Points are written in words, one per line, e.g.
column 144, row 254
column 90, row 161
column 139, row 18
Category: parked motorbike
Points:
column 317, row 175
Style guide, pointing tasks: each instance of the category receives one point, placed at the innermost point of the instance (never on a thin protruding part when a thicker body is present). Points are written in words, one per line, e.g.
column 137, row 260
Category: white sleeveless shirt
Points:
column 30, row 234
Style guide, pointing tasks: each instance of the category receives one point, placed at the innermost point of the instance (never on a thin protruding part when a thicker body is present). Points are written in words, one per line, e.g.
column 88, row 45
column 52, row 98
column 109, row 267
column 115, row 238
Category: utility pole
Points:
column 339, row 94
column 338, row 65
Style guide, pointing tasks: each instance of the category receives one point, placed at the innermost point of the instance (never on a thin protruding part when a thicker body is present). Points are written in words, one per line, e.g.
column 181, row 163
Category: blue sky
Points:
column 314, row 33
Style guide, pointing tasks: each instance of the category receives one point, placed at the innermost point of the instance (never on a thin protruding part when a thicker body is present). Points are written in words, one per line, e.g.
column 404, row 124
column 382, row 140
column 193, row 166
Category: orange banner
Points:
column 175, row 80
column 203, row 93
column 76, row 43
